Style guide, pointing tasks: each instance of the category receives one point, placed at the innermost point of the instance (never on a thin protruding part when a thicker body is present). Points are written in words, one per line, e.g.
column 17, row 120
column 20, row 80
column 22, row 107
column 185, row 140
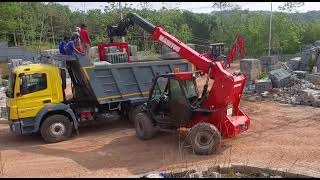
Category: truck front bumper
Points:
column 15, row 127
column 19, row 127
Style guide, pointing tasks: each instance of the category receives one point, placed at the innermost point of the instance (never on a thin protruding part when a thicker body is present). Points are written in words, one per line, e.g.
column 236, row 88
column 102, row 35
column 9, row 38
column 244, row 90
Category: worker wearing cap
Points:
column 85, row 40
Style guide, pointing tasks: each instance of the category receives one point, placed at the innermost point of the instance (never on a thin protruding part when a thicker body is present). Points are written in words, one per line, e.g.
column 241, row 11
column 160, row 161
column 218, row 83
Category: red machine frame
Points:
column 226, row 89
column 119, row 45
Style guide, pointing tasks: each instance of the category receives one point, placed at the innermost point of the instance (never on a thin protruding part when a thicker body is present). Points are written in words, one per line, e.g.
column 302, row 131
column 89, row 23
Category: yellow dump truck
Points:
column 36, row 101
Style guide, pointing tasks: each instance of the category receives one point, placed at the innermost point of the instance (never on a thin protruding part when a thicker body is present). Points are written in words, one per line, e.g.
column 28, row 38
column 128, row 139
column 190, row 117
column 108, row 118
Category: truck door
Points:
column 33, row 94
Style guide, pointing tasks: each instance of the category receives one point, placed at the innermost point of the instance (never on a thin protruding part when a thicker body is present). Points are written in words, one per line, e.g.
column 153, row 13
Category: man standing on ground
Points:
column 85, row 40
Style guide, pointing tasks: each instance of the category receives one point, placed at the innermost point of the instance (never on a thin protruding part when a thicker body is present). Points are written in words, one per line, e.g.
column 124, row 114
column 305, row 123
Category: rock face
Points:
column 251, row 68
column 279, row 77
column 269, row 63
column 263, row 85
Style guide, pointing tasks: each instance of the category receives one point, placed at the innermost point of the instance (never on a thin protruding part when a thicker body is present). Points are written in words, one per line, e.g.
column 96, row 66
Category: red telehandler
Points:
column 174, row 101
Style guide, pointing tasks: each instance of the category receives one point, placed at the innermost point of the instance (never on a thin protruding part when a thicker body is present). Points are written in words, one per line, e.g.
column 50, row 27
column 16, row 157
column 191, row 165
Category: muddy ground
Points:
column 280, row 136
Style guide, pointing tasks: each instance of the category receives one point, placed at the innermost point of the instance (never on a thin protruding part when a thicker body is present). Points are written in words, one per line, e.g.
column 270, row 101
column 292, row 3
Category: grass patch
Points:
column 264, row 75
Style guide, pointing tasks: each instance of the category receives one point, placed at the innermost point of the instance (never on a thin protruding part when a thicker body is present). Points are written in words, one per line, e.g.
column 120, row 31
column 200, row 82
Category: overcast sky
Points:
column 199, row 7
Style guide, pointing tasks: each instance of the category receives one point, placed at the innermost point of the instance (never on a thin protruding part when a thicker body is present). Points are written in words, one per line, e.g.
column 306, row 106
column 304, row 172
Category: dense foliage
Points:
column 33, row 23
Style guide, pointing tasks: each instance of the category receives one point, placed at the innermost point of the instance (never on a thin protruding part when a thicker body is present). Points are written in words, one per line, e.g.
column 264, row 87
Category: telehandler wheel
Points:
column 204, row 138
column 133, row 112
column 144, row 127
column 56, row 128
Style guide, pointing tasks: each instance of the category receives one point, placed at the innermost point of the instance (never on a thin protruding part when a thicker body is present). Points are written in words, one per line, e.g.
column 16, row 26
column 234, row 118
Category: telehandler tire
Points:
column 133, row 112
column 56, row 128
column 144, row 127
column 204, row 138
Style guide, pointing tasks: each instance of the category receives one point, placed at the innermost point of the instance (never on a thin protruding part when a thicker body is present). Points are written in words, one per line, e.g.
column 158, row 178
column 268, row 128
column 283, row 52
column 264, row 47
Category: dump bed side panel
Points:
column 130, row 81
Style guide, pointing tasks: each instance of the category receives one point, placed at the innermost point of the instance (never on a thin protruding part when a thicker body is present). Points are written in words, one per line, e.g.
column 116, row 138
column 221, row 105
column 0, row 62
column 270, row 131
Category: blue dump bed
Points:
column 128, row 81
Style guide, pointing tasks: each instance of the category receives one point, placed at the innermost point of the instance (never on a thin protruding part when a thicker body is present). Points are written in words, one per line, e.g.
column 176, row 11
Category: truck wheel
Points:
column 204, row 138
column 133, row 113
column 144, row 127
column 56, row 128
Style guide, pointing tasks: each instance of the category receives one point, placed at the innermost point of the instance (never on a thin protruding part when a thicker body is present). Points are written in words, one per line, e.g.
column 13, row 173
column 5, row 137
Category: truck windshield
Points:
column 11, row 83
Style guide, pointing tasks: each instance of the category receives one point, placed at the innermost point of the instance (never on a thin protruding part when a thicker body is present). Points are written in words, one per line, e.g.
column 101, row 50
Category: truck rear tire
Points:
column 144, row 126
column 133, row 112
column 204, row 138
column 56, row 128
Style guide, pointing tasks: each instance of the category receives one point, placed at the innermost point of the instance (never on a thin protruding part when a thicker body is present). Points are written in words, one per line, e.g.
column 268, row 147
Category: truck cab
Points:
column 31, row 88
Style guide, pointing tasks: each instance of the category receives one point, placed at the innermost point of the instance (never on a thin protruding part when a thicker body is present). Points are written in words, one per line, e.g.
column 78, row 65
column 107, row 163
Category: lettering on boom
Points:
column 169, row 43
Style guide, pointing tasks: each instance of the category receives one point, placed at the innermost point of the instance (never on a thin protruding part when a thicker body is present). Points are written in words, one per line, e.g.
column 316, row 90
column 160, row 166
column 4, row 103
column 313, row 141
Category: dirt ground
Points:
column 280, row 136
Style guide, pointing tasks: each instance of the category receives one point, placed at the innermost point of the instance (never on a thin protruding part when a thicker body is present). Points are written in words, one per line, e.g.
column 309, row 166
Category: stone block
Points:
column 269, row 60
column 310, row 97
column 300, row 74
column 304, row 63
column 251, row 68
column 263, row 85
column 318, row 63
column 294, row 63
column 167, row 53
column 313, row 78
column 268, row 68
column 279, row 77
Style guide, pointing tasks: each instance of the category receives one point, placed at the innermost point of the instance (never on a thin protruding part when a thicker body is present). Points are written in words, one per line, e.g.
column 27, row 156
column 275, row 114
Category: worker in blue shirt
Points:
column 70, row 47
column 62, row 44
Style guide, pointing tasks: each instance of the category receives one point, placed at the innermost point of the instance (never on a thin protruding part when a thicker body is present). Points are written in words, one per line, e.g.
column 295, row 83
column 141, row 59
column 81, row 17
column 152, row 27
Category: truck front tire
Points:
column 144, row 127
column 204, row 138
column 56, row 128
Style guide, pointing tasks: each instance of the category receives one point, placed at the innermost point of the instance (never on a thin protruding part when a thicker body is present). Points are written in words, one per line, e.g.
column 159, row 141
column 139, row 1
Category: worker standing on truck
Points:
column 62, row 44
column 85, row 40
column 70, row 47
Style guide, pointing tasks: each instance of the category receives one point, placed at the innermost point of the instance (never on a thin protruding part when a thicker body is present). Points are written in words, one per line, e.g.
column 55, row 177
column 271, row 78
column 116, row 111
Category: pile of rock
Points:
column 286, row 83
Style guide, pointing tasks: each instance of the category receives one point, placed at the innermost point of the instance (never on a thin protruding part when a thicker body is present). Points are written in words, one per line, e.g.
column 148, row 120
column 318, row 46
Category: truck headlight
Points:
column 230, row 110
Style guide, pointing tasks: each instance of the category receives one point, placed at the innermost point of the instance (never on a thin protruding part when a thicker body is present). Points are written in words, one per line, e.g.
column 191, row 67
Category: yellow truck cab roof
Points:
column 33, row 67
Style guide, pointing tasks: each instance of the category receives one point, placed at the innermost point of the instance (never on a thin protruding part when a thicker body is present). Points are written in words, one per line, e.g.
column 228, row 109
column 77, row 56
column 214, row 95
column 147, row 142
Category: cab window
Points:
column 160, row 87
column 32, row 83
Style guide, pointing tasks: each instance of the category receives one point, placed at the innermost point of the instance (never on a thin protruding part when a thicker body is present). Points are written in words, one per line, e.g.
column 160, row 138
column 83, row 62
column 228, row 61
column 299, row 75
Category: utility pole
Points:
column 121, row 17
column 270, row 30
